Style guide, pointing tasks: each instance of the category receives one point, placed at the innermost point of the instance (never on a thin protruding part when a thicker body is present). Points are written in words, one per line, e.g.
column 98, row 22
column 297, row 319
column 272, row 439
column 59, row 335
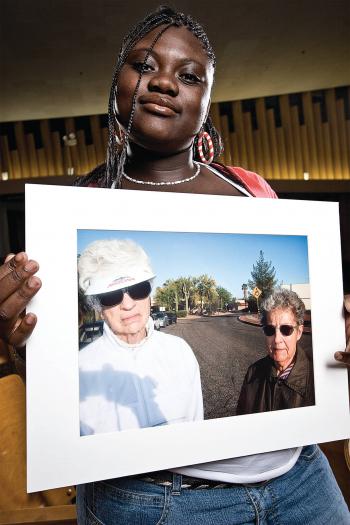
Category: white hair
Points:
column 102, row 257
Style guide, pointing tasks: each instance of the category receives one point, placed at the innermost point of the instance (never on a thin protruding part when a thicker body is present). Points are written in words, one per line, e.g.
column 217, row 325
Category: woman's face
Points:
column 282, row 348
column 128, row 319
column 174, row 94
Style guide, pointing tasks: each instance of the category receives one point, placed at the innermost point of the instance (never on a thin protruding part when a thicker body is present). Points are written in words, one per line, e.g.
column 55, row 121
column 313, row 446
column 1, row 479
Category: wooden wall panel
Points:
column 311, row 134
column 281, row 147
column 48, row 147
column 258, row 148
column 248, row 132
column 344, row 153
column 32, row 154
column 239, row 129
column 83, row 155
column 22, row 150
column 6, row 164
column 226, row 140
column 236, row 160
column 328, row 150
column 334, row 132
column 297, row 134
column 262, row 126
column 57, row 153
column 43, row 169
column 289, row 170
column 271, row 128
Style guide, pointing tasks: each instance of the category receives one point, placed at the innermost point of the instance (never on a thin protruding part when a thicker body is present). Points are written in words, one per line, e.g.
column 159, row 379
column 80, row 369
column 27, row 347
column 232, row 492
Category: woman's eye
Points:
column 141, row 66
column 190, row 78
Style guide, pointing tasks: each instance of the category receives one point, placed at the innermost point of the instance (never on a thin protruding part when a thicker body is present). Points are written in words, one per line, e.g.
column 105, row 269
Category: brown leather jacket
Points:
column 262, row 391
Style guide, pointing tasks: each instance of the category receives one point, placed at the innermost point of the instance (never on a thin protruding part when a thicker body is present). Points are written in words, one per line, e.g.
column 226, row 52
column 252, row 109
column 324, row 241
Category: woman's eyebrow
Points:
column 152, row 52
column 191, row 61
column 144, row 50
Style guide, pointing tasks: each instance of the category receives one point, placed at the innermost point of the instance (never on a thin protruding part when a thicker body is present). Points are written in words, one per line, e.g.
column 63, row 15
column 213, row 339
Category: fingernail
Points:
column 19, row 257
column 31, row 266
column 30, row 320
column 338, row 356
column 33, row 282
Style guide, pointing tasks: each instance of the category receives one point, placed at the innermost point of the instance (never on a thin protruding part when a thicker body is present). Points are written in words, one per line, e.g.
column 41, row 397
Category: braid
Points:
column 120, row 166
column 110, row 173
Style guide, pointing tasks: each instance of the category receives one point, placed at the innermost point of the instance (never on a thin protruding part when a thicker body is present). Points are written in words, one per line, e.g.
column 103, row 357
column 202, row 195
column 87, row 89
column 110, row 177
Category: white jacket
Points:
column 156, row 382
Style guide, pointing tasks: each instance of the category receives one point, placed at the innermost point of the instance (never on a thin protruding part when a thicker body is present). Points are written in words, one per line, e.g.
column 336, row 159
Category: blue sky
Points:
column 228, row 258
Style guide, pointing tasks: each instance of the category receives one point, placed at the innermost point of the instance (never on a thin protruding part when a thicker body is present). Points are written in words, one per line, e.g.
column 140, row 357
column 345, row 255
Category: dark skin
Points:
column 172, row 104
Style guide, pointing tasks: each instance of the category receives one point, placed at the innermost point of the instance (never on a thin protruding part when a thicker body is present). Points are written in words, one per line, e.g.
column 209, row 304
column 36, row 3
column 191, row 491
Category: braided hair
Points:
column 111, row 173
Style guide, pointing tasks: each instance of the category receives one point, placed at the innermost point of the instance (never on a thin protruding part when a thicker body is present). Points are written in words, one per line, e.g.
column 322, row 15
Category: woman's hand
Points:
column 344, row 357
column 18, row 285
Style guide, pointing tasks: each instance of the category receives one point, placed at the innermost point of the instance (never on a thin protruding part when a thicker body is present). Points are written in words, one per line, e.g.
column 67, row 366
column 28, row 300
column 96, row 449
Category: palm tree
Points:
column 187, row 285
column 245, row 293
column 206, row 288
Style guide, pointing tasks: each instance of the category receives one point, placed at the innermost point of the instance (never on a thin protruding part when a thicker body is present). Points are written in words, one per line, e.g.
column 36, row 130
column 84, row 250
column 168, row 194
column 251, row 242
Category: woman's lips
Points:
column 131, row 319
column 156, row 109
column 159, row 104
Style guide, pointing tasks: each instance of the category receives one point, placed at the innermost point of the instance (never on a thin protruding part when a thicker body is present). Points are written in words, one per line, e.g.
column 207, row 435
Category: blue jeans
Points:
column 306, row 495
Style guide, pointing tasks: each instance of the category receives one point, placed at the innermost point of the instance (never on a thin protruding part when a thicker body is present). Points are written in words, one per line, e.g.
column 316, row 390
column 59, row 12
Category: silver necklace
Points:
column 165, row 183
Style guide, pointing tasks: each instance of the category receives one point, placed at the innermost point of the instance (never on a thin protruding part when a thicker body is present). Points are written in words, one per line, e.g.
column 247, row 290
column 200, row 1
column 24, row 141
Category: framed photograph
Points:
column 196, row 401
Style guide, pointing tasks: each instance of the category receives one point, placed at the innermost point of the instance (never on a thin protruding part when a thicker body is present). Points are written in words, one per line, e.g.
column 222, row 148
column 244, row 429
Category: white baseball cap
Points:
column 111, row 264
column 114, row 281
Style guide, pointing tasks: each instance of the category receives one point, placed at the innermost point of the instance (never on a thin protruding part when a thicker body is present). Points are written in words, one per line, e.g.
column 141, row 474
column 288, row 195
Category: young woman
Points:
column 161, row 138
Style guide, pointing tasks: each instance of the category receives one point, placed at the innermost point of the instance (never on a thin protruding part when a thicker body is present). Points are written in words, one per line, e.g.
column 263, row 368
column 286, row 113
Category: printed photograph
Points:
column 177, row 327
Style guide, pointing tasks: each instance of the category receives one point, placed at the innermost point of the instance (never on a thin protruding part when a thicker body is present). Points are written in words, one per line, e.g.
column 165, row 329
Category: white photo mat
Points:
column 56, row 453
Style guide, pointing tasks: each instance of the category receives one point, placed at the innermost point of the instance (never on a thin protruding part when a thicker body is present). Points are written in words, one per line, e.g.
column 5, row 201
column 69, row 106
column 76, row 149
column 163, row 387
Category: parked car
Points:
column 172, row 317
column 162, row 318
column 88, row 332
column 156, row 321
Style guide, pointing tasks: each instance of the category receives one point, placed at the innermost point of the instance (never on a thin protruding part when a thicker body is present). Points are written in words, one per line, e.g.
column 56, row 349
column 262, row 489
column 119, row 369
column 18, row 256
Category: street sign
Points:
column 256, row 292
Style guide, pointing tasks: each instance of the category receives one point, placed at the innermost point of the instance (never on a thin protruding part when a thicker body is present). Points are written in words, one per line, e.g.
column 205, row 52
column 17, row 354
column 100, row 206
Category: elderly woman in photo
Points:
column 132, row 376
column 284, row 378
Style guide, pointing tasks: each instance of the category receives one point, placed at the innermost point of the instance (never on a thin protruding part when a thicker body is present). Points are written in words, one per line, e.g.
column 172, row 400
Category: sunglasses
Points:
column 285, row 329
column 136, row 292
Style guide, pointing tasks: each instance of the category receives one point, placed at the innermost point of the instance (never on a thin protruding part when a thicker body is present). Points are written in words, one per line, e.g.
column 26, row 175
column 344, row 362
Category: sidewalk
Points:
column 250, row 319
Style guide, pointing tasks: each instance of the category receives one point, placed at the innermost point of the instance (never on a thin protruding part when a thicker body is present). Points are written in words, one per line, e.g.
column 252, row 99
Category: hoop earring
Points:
column 208, row 146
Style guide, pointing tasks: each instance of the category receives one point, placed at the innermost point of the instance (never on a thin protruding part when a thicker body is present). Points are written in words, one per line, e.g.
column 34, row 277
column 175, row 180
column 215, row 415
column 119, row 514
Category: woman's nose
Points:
column 278, row 335
column 127, row 302
column 163, row 82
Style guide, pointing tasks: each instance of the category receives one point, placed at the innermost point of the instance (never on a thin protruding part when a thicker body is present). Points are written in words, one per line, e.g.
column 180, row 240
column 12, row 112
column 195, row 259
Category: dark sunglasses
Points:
column 285, row 329
column 136, row 292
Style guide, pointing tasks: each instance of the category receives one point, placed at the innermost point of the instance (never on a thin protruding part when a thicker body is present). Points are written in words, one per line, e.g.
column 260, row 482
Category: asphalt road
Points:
column 224, row 348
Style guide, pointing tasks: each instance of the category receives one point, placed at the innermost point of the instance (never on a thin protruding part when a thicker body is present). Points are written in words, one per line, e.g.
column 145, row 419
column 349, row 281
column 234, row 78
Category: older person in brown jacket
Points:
column 284, row 378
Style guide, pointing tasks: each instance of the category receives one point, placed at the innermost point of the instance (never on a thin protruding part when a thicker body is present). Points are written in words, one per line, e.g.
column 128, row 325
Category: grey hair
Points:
column 93, row 303
column 284, row 299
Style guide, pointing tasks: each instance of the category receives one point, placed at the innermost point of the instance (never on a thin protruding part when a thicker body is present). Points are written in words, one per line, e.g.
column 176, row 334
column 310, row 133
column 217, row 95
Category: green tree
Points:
column 224, row 297
column 187, row 287
column 263, row 276
column 168, row 295
column 164, row 297
column 206, row 289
